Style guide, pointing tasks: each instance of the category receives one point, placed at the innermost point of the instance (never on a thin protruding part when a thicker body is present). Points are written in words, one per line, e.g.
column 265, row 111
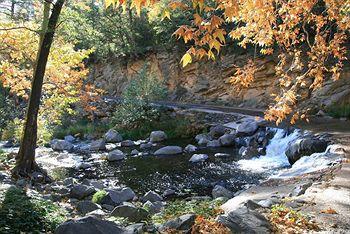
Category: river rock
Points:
column 222, row 155
column 61, row 145
column 169, row 150
column 304, row 147
column 244, row 220
column 220, row 191
column 117, row 196
column 203, row 139
column 190, row 148
column 217, row 131
column 227, row 140
column 83, row 165
column 169, row 192
column 115, row 155
column 248, row 152
column 70, row 138
column 89, row 225
column 158, row 136
column 198, row 158
column 146, row 146
column 153, row 207
column 81, row 191
column 85, row 207
column 98, row 145
column 136, row 228
column 152, row 197
column 214, row 144
column 247, row 128
column 112, row 136
column 131, row 212
column 301, row 189
column 134, row 152
column 182, row 223
column 127, row 143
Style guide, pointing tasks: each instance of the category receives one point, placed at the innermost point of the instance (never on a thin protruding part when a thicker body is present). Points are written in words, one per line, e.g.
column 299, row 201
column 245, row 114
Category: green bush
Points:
column 339, row 111
column 8, row 111
column 20, row 213
column 136, row 108
column 98, row 196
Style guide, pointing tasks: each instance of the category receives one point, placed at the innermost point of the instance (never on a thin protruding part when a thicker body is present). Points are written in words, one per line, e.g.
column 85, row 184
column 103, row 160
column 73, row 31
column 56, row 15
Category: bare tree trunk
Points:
column 25, row 164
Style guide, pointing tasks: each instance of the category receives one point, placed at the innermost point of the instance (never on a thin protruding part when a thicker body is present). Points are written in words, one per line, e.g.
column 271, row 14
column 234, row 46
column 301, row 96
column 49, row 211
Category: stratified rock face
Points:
column 207, row 81
column 305, row 147
column 89, row 225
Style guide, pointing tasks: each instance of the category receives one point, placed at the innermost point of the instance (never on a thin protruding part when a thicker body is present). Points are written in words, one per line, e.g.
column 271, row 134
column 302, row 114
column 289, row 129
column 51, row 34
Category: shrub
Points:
column 20, row 213
column 339, row 111
column 98, row 196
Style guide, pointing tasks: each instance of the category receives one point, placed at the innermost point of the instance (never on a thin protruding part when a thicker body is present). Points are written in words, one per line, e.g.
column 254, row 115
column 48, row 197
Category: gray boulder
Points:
column 198, row 158
column 244, row 220
column 61, row 145
column 112, row 136
column 203, row 139
column 248, row 152
column 85, row 207
column 127, row 143
column 214, row 143
column 145, row 146
column 190, row 148
column 227, row 140
column 169, row 150
column 70, row 138
column 115, row 155
column 81, row 191
column 131, row 212
column 182, row 223
column 89, row 225
column 220, row 191
column 158, row 136
column 117, row 196
column 98, row 145
column 305, row 147
column 152, row 197
column 134, row 152
column 247, row 128
column 217, row 131
column 137, row 228
column 153, row 207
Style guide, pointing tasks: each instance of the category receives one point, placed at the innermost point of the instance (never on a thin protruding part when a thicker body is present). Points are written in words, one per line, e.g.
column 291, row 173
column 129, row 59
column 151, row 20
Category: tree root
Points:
column 23, row 171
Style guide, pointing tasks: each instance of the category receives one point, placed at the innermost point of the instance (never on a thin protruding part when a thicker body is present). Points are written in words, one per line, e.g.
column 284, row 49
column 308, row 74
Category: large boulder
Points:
column 81, row 191
column 169, row 150
column 153, row 207
column 158, row 136
column 127, row 143
column 183, row 223
column 98, row 145
column 115, row 155
column 117, row 196
column 85, row 207
column 198, row 158
column 244, row 220
column 227, row 140
column 305, row 147
column 247, row 128
column 112, row 136
column 220, row 191
column 217, row 131
column 152, row 197
column 131, row 212
column 89, row 225
column 61, row 145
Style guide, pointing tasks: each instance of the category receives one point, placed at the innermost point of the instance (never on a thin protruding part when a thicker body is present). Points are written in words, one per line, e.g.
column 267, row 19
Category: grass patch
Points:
column 98, row 196
column 59, row 173
column 2, row 156
column 208, row 210
column 20, row 213
column 339, row 111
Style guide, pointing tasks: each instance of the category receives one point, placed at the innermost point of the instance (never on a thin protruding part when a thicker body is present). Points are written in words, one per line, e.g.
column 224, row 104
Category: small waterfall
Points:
column 275, row 153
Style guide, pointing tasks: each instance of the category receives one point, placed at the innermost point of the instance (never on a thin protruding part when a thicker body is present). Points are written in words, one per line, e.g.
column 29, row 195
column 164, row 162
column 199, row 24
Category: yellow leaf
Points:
column 186, row 59
column 109, row 2
column 166, row 14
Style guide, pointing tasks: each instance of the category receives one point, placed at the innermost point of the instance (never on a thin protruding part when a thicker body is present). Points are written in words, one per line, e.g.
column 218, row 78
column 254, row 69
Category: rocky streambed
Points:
column 219, row 164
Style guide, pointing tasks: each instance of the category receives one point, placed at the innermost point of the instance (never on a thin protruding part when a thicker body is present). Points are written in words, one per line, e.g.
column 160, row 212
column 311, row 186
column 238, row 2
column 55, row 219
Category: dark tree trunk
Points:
column 26, row 156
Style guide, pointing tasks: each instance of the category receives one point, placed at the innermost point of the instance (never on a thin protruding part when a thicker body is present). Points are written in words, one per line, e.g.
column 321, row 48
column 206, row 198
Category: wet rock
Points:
column 305, row 147
column 244, row 220
column 203, row 139
column 115, row 155
column 169, row 150
column 227, row 140
column 222, row 155
column 112, row 136
column 131, row 212
column 247, row 128
column 152, row 197
column 89, row 225
column 98, row 145
column 153, row 207
column 248, row 152
column 146, row 146
column 117, row 196
column 217, row 131
column 61, row 145
column 81, row 191
column 262, row 151
column 301, row 189
column 198, row 158
column 190, row 148
column 214, row 143
column 85, row 207
column 127, row 143
column 158, row 136
column 220, row 191
column 182, row 223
